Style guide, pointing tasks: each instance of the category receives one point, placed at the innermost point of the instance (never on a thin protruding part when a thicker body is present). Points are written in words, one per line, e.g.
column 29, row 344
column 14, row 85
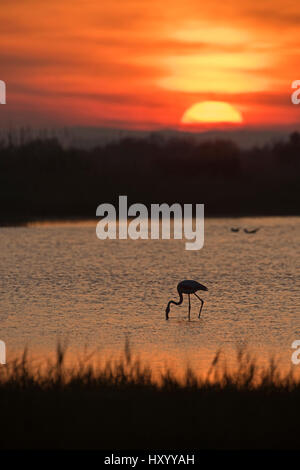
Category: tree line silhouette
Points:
column 42, row 179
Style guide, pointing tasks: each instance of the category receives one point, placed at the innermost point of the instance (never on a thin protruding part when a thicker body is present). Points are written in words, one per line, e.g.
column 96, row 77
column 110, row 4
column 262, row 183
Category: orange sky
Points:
column 142, row 63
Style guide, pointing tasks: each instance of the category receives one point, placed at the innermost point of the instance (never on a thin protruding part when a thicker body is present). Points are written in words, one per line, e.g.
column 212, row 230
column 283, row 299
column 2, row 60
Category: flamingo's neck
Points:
column 179, row 301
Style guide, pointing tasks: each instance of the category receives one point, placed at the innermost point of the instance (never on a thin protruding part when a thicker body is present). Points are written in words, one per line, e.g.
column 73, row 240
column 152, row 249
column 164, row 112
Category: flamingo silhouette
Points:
column 187, row 287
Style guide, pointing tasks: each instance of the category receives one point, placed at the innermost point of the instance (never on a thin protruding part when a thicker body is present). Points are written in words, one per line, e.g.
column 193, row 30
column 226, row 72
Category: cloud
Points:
column 134, row 57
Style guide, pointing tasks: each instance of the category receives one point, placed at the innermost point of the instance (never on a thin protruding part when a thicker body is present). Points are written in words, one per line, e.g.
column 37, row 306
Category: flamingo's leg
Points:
column 189, row 306
column 202, row 302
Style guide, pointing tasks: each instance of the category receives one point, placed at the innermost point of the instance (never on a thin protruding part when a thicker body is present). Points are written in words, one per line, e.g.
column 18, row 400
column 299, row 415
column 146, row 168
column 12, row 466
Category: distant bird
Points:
column 235, row 229
column 251, row 231
column 187, row 287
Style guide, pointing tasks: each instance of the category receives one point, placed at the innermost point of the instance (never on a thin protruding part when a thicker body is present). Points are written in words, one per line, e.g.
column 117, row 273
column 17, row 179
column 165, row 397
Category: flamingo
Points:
column 187, row 287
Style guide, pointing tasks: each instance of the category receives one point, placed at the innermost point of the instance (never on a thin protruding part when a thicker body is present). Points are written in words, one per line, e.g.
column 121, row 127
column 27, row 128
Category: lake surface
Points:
column 59, row 280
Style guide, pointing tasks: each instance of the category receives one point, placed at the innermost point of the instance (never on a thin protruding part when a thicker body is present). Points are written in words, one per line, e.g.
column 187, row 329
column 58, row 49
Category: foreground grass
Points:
column 121, row 406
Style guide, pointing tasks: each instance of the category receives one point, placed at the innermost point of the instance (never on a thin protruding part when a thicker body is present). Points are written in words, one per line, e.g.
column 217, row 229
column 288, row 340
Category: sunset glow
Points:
column 137, row 64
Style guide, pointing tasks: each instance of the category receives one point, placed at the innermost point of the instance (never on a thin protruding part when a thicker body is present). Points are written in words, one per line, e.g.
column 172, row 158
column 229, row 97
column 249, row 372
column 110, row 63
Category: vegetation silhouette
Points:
column 42, row 179
column 120, row 405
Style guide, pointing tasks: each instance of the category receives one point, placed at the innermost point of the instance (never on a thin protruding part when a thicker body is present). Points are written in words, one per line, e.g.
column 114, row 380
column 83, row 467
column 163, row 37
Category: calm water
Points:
column 60, row 281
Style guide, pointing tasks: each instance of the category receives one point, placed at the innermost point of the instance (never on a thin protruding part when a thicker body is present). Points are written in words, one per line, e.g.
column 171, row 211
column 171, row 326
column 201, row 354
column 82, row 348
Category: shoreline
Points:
column 23, row 221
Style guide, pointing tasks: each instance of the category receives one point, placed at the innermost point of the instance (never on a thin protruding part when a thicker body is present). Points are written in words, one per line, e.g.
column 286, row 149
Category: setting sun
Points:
column 211, row 112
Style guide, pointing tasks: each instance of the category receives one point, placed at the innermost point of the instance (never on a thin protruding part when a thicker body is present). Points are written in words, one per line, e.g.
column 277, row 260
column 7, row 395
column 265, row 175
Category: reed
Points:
column 122, row 405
